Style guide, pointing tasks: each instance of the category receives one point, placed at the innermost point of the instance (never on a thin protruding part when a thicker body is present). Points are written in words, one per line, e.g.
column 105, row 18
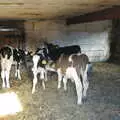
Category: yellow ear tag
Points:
column 53, row 65
column 44, row 62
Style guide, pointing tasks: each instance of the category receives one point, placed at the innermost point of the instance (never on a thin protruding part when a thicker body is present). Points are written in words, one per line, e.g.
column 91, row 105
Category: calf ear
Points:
column 28, row 53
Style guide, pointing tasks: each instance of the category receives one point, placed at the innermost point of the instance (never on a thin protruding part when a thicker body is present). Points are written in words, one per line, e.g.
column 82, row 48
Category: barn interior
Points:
column 95, row 26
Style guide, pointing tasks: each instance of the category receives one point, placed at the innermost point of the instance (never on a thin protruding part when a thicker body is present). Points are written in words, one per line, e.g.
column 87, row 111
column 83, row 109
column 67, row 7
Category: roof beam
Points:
column 109, row 13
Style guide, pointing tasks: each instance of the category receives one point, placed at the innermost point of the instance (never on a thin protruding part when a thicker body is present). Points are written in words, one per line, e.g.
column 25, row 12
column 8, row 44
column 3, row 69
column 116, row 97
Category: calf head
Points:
column 50, row 46
column 6, row 51
column 42, row 53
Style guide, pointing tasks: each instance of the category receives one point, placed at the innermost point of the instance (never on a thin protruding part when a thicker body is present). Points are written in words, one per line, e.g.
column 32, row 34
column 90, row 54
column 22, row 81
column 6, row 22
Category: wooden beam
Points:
column 109, row 13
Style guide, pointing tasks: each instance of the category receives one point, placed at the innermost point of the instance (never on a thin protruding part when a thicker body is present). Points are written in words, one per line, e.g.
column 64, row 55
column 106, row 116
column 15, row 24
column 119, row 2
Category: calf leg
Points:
column 17, row 73
column 42, row 73
column 43, row 84
column 43, row 77
column 85, row 82
column 72, row 73
column 19, row 76
column 3, row 78
column 34, row 81
column 85, row 85
column 3, row 68
column 7, row 74
column 59, row 78
column 78, row 86
column 65, row 83
column 46, row 79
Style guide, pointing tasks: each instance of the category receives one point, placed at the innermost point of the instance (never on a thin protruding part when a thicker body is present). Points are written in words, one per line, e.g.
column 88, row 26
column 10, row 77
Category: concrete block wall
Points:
column 93, row 38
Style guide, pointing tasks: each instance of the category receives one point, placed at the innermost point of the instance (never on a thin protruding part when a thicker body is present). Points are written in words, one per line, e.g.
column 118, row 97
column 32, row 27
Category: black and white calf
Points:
column 54, row 51
column 74, row 67
column 9, row 56
column 40, row 60
column 45, row 57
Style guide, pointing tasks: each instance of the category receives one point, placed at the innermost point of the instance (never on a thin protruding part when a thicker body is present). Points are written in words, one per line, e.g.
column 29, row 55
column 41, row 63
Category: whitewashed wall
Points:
column 93, row 38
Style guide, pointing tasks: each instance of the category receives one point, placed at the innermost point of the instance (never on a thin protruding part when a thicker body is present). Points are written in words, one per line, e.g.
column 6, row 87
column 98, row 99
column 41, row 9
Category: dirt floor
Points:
column 103, row 97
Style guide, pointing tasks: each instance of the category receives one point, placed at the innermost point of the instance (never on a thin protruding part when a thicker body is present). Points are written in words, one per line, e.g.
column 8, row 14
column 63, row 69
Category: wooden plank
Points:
column 107, row 14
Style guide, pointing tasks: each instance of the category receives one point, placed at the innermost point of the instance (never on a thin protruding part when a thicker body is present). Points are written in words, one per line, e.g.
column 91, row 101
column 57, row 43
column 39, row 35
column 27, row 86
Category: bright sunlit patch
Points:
column 9, row 104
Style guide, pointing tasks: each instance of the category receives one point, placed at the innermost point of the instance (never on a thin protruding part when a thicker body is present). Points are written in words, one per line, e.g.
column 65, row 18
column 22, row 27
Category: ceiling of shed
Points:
column 51, row 9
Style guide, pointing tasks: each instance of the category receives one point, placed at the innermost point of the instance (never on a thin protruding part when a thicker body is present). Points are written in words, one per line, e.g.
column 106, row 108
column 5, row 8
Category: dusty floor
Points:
column 103, row 100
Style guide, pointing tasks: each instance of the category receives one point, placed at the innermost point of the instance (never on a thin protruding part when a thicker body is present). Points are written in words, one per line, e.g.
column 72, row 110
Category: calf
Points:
column 40, row 60
column 8, row 56
column 54, row 51
column 74, row 67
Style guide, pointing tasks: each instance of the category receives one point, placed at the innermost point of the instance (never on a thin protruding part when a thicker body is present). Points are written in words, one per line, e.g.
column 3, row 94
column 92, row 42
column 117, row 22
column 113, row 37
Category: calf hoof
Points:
column 8, row 86
column 79, row 102
column 33, row 91
column 43, row 87
column 72, row 81
column 65, row 89
column 84, row 99
column 46, row 80
column 58, row 87
column 3, row 86
column 17, row 78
